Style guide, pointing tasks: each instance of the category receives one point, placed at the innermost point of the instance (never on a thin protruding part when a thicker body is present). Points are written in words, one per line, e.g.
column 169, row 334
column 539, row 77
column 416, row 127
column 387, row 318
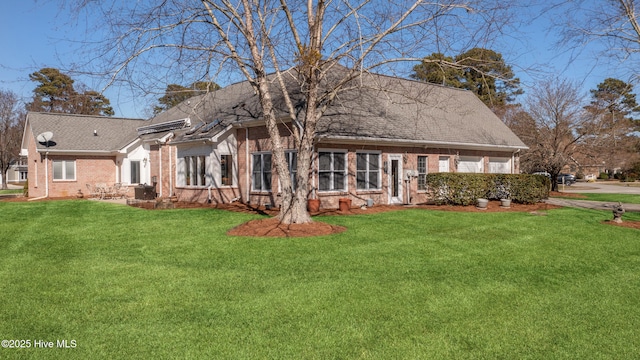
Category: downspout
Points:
column 314, row 165
column 513, row 161
column 160, row 168
column 246, row 166
column 170, row 172
column 46, row 178
column 209, row 190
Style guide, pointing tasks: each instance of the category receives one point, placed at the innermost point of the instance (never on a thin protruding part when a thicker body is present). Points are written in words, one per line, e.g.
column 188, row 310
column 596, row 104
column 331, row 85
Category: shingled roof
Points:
column 83, row 133
column 374, row 108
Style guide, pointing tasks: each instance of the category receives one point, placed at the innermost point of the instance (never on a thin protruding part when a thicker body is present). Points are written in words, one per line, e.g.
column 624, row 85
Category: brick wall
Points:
column 259, row 141
column 88, row 170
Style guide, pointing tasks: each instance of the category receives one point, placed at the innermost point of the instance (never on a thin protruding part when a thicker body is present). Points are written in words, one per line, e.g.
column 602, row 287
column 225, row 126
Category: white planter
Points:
column 505, row 203
column 482, row 203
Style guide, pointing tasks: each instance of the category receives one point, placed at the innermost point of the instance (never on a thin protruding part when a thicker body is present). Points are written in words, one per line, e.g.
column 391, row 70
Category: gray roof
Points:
column 73, row 132
column 373, row 108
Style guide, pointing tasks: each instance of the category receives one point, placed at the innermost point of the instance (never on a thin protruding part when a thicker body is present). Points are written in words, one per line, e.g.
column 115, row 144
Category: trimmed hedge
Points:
column 465, row 189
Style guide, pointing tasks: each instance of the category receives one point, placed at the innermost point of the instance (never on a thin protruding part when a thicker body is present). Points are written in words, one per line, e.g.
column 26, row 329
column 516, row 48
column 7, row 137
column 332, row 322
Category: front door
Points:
column 395, row 179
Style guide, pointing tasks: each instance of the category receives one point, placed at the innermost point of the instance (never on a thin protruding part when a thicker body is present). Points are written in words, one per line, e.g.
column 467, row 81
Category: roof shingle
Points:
column 73, row 132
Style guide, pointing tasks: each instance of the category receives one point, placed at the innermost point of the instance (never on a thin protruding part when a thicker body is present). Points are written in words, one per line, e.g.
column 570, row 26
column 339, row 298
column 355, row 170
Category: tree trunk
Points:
column 4, row 178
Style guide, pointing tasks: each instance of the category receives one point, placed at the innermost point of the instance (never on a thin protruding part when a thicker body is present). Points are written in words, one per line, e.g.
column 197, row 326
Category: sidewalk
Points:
column 596, row 205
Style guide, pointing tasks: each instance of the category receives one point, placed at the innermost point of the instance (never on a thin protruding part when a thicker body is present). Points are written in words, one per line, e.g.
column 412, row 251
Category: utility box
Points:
column 145, row 192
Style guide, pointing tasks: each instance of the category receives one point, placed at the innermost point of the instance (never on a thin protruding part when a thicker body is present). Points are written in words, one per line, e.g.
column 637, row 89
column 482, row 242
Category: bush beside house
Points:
column 465, row 189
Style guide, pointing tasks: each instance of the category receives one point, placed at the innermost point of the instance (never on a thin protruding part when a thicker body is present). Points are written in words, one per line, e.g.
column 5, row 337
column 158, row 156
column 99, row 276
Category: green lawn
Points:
column 624, row 198
column 11, row 191
column 126, row 283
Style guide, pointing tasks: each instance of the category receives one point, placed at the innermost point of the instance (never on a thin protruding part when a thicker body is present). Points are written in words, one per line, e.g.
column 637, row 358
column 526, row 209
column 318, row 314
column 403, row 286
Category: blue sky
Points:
column 35, row 35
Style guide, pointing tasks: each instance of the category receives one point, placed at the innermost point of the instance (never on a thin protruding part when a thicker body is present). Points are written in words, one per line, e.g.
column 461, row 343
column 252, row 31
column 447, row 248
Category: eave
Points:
column 336, row 139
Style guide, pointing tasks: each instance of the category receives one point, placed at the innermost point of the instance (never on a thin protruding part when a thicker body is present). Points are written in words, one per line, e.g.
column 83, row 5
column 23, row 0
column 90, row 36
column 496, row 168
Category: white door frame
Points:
column 395, row 163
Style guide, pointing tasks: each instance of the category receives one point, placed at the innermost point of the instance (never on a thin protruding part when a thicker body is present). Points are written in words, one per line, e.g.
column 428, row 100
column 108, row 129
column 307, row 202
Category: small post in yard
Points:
column 618, row 210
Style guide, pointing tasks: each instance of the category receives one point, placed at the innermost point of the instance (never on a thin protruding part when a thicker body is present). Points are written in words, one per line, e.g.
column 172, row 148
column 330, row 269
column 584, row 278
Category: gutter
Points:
column 407, row 142
column 79, row 152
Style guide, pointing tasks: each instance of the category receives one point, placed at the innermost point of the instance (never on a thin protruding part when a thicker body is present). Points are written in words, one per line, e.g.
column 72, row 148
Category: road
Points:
column 602, row 187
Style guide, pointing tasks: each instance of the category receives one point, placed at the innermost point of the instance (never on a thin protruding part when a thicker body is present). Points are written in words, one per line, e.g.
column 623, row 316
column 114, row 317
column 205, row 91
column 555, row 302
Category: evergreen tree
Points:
column 482, row 71
column 175, row 94
column 56, row 93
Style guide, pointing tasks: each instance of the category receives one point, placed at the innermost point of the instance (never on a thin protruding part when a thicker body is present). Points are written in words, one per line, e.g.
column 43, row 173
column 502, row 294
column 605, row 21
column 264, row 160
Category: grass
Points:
column 623, row 198
column 126, row 283
column 10, row 191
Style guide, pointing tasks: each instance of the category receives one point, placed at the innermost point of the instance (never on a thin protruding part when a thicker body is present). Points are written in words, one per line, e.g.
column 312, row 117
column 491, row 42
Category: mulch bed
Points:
column 271, row 227
column 624, row 223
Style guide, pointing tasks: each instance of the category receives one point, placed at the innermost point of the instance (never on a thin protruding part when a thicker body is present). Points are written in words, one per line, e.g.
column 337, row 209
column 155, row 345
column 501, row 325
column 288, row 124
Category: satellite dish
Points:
column 45, row 138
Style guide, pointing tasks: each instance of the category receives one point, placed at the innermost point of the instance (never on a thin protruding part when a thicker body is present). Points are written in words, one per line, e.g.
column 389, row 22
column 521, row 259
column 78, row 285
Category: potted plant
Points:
column 482, row 203
column 313, row 204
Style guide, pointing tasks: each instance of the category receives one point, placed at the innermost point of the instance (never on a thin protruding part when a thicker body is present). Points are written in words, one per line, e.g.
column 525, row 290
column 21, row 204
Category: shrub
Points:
column 603, row 176
column 465, row 189
column 629, row 177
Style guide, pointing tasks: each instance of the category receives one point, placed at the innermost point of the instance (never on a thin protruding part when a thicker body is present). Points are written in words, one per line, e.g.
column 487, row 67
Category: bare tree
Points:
column 554, row 127
column 11, row 126
column 297, row 42
column 611, row 23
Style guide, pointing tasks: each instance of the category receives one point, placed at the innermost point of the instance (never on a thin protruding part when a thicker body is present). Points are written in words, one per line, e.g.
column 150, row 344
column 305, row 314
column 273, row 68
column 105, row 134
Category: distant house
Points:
column 17, row 173
column 376, row 141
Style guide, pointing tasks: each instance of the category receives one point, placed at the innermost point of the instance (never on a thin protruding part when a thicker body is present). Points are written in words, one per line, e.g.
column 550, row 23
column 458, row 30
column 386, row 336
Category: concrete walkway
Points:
column 587, row 204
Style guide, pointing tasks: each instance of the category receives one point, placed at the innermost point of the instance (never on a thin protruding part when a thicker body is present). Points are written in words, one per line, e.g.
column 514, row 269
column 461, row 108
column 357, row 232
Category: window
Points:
column 23, row 175
column 443, row 164
column 226, row 170
column 332, row 171
column 422, row 173
column 367, row 171
column 64, row 170
column 499, row 165
column 470, row 164
column 135, row 172
column 292, row 162
column 261, row 172
column 195, row 169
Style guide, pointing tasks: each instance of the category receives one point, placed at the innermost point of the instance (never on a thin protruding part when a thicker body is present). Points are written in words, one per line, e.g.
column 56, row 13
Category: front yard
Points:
column 127, row 283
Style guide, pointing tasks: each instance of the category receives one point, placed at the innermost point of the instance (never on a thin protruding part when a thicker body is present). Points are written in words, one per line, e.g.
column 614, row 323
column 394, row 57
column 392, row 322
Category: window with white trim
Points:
column 64, row 169
column 368, row 170
column 135, row 171
column 332, row 171
column 195, row 170
column 261, row 179
column 226, row 170
column 422, row 172
column 499, row 165
column 470, row 164
column 443, row 164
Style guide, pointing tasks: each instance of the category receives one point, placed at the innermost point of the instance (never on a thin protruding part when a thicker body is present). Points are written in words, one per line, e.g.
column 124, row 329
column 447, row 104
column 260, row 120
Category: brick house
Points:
column 91, row 150
column 376, row 142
